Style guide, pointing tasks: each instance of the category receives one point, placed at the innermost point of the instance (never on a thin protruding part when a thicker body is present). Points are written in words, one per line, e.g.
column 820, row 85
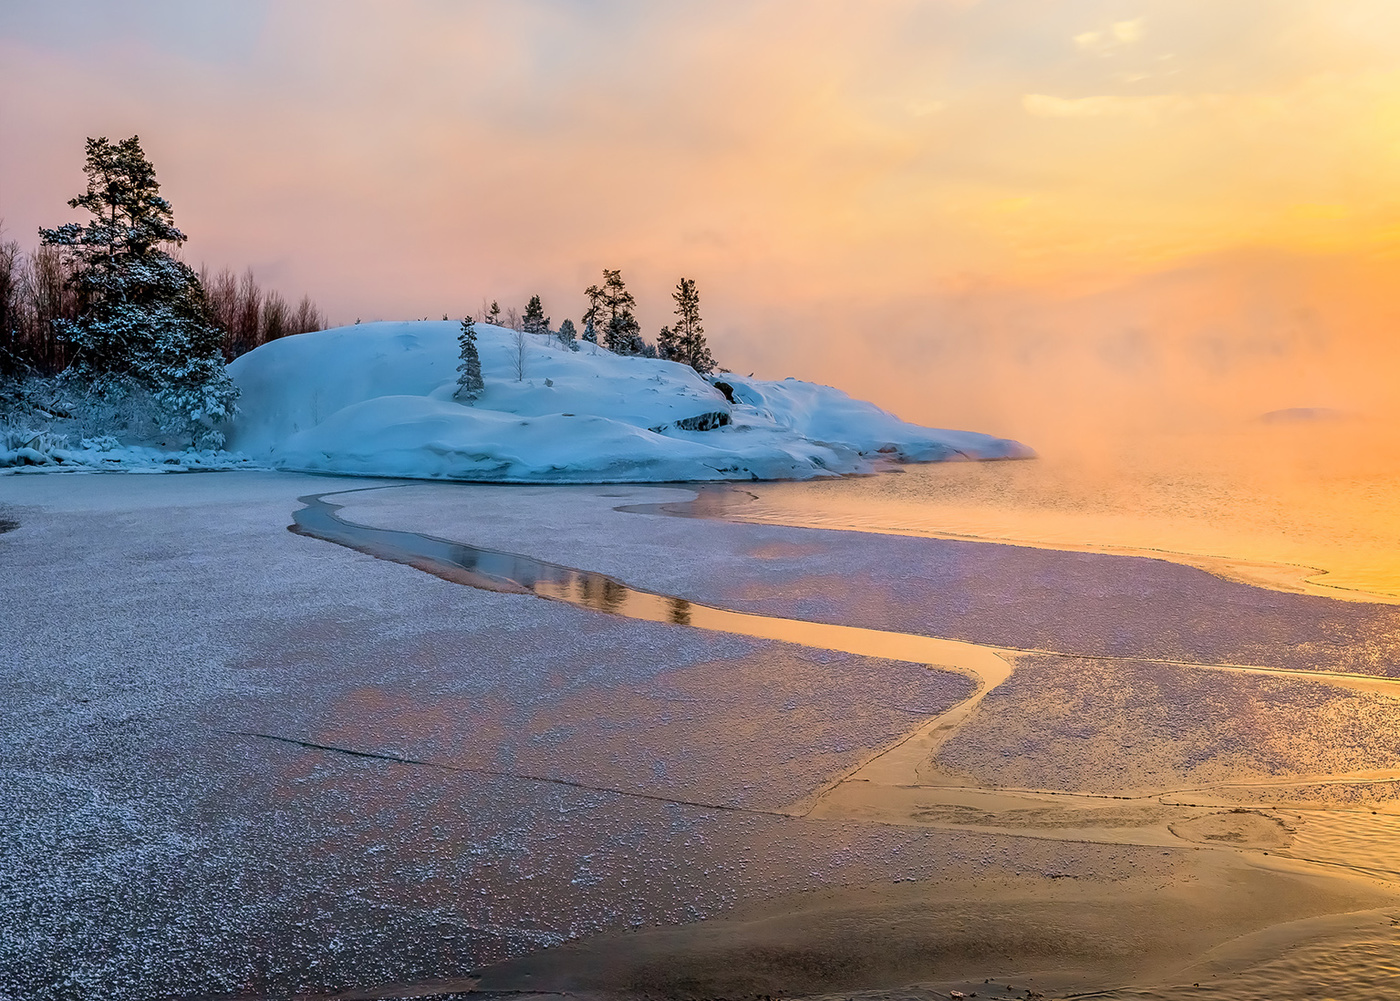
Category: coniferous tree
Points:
column 534, row 321
column 145, row 325
column 668, row 345
column 593, row 315
column 567, row 335
column 469, row 381
column 689, row 331
column 622, row 333
column 493, row 315
column 590, row 332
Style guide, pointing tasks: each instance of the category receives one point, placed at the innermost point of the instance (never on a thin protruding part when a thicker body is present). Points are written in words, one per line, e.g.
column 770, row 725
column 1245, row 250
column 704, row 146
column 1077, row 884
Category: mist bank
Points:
column 1207, row 346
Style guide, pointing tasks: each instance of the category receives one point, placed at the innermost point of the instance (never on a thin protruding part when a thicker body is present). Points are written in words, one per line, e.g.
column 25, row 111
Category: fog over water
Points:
column 1299, row 501
column 1241, row 406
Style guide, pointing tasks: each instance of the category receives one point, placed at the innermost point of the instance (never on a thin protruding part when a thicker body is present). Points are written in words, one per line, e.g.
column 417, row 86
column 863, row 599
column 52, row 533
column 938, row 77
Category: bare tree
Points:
column 51, row 297
column 11, row 347
column 250, row 316
column 221, row 295
column 247, row 325
column 306, row 318
column 522, row 340
column 274, row 317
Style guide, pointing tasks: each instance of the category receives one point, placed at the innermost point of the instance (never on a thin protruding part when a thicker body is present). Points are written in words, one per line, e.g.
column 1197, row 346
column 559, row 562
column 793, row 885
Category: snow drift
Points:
column 376, row 400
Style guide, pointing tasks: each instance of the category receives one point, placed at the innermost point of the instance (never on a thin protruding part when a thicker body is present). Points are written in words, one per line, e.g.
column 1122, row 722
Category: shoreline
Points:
column 1066, row 881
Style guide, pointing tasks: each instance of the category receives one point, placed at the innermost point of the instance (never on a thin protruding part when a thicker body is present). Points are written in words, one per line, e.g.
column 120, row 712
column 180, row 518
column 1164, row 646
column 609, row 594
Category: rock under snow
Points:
column 376, row 399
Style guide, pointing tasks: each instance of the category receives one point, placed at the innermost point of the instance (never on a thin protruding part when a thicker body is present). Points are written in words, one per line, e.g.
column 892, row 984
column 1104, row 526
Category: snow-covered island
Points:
column 150, row 368
column 376, row 399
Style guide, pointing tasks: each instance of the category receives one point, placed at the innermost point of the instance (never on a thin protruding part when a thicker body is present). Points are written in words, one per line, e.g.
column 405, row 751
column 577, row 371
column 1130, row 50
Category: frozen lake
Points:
column 244, row 762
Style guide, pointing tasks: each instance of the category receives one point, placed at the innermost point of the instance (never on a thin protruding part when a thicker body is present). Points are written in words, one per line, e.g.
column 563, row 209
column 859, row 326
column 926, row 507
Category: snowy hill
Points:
column 376, row 399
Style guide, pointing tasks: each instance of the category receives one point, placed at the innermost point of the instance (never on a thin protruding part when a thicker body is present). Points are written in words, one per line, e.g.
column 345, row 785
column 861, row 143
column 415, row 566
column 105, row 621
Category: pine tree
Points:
column 469, row 381
column 590, row 332
column 690, row 332
column 566, row 335
column 146, row 327
column 593, row 315
column 668, row 345
column 493, row 315
column 622, row 333
column 535, row 322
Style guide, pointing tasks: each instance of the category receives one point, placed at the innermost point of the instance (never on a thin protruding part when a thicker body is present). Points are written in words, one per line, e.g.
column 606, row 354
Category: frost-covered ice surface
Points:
column 538, row 772
column 1090, row 604
column 1129, row 726
column 376, row 400
column 153, row 847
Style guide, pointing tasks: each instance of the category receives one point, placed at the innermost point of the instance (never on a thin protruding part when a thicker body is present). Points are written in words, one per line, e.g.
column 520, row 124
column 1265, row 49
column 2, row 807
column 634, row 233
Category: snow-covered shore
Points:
column 376, row 399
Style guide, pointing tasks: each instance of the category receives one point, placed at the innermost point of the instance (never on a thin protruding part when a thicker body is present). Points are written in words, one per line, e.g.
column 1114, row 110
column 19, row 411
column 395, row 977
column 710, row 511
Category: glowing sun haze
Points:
column 979, row 214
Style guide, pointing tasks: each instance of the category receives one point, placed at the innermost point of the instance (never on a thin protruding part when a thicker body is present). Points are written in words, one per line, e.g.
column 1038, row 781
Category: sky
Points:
column 1010, row 215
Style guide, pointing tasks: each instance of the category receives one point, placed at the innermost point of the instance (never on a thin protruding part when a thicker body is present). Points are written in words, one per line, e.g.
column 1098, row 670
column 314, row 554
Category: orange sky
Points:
column 994, row 215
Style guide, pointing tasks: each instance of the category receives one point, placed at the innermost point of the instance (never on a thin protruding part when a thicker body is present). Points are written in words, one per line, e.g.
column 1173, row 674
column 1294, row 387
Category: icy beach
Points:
column 270, row 763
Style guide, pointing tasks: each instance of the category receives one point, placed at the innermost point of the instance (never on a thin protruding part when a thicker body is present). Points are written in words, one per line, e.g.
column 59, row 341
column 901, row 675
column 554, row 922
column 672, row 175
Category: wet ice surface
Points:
column 1069, row 723
column 1069, row 602
column 152, row 846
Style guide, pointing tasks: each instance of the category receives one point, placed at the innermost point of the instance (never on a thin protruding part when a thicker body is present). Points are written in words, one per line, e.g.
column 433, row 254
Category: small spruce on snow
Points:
column 145, row 331
column 667, row 346
column 534, row 321
column 689, row 332
column 567, row 334
column 469, row 381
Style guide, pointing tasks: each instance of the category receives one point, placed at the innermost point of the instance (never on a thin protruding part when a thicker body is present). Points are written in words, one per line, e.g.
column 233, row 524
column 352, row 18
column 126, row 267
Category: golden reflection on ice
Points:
column 1290, row 505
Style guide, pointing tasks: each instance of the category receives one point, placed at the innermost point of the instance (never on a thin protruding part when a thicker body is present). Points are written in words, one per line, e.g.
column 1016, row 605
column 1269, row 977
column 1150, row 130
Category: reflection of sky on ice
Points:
column 147, row 834
column 1070, row 602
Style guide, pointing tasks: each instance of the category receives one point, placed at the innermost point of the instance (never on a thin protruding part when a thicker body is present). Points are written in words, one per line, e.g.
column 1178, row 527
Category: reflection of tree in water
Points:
column 601, row 593
column 614, row 595
column 678, row 611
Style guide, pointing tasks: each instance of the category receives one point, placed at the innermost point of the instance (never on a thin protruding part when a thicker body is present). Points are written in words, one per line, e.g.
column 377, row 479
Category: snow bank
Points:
column 42, row 452
column 376, row 400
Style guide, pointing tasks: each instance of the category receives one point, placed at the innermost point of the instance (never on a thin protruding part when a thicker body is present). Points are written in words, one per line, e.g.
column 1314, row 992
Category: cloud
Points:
column 1146, row 107
column 1115, row 36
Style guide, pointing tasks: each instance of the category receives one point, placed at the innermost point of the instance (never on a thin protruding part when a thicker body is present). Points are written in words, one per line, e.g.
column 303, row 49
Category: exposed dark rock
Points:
column 700, row 422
